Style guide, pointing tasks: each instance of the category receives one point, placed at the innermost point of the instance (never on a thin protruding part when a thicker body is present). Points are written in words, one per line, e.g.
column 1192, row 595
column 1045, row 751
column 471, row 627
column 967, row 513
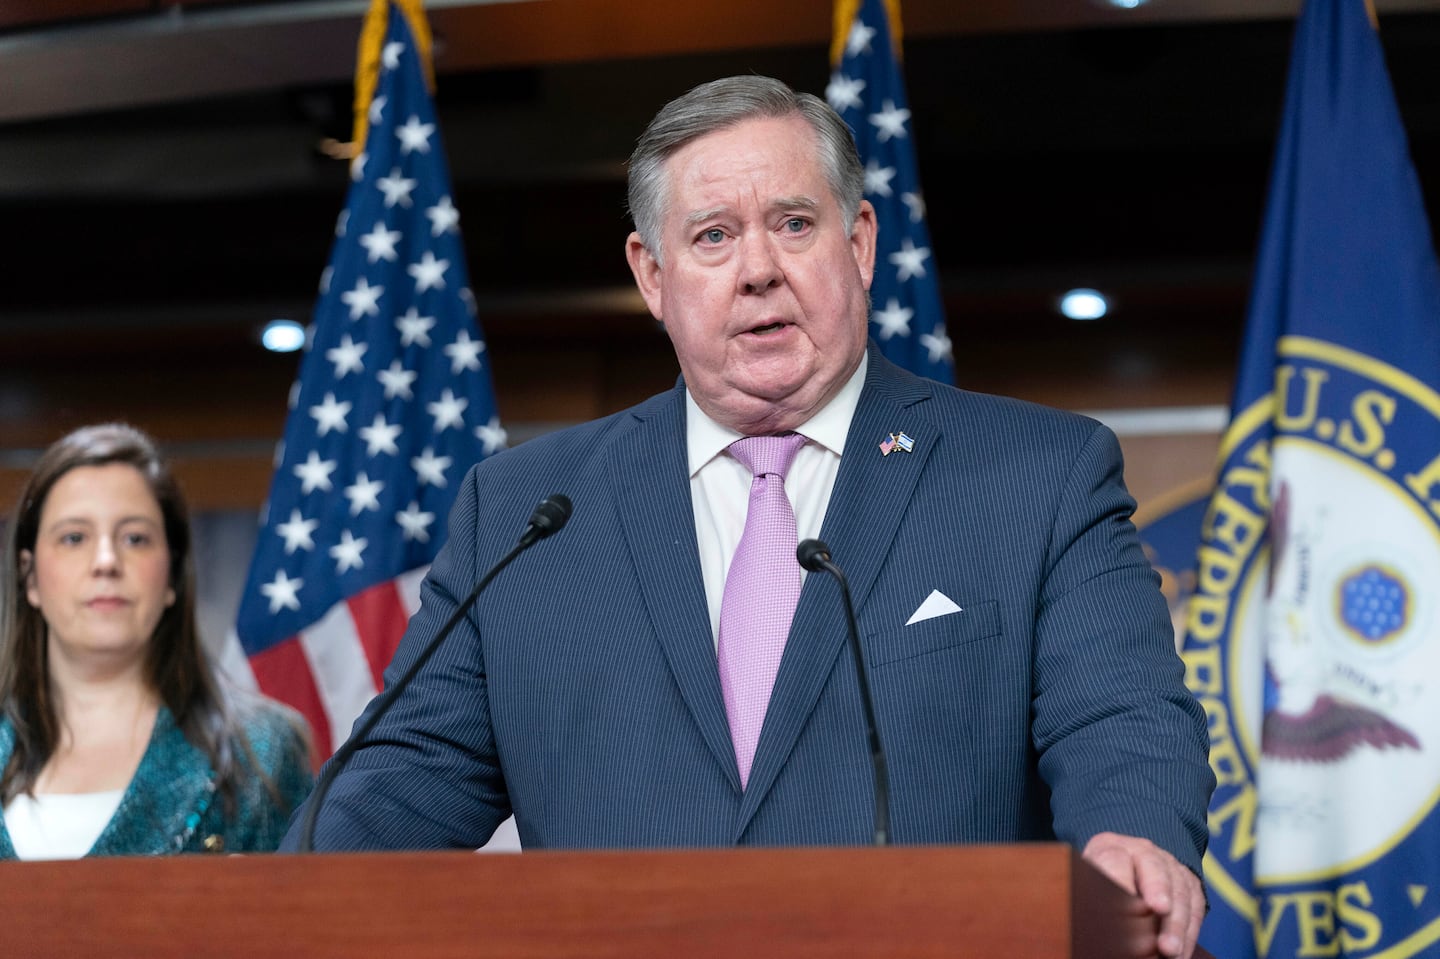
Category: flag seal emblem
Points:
column 1314, row 647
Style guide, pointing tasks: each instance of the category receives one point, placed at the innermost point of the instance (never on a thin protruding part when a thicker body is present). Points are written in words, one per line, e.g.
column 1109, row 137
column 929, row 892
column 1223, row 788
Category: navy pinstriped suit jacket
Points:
column 582, row 692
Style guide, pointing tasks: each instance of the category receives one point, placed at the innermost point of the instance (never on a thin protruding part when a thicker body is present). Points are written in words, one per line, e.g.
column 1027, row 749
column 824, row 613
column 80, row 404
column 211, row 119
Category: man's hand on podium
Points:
column 1168, row 889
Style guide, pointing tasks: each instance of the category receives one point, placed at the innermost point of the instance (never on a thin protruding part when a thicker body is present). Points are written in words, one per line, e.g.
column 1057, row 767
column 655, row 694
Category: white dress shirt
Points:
column 720, row 484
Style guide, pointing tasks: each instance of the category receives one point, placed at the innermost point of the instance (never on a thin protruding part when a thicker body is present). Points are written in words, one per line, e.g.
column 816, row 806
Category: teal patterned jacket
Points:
column 172, row 804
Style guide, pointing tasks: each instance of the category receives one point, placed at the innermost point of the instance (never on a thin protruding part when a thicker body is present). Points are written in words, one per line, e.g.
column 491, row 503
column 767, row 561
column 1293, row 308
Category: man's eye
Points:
column 795, row 225
column 714, row 235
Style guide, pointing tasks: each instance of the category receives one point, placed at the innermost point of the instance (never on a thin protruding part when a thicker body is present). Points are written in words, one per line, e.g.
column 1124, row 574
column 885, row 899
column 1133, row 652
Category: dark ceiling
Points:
column 1132, row 158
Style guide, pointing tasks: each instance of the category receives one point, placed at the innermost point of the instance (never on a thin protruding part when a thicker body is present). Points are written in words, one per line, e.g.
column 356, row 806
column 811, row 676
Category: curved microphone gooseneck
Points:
column 814, row 555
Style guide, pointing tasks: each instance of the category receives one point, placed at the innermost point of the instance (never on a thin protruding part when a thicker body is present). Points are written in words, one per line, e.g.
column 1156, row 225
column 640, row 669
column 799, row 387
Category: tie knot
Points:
column 768, row 455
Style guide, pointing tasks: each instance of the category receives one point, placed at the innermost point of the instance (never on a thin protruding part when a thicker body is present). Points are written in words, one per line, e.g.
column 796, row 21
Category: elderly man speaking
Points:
column 664, row 673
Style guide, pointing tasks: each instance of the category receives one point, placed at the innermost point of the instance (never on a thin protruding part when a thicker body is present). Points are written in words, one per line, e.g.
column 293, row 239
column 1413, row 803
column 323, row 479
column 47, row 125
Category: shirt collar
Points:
column 706, row 439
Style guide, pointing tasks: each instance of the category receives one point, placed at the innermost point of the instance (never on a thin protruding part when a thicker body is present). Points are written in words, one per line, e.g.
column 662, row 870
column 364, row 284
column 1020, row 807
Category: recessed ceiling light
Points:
column 1084, row 304
column 282, row 336
column 1126, row 4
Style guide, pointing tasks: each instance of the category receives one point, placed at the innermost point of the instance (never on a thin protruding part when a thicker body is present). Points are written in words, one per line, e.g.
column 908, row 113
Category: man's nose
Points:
column 759, row 267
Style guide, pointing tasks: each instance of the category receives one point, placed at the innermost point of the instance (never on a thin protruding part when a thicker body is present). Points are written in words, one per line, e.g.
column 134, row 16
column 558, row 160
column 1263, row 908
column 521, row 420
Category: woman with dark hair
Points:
column 116, row 737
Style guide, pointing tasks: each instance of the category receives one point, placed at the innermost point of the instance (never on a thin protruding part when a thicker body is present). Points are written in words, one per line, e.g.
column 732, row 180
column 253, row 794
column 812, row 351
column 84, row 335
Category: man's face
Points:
column 762, row 291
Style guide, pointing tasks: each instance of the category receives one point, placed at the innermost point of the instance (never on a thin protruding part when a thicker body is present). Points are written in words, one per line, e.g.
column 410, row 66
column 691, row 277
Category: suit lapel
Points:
column 658, row 522
column 872, row 493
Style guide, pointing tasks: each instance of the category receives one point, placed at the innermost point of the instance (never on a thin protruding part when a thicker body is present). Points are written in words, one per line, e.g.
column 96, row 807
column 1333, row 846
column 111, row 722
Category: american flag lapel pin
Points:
column 897, row 441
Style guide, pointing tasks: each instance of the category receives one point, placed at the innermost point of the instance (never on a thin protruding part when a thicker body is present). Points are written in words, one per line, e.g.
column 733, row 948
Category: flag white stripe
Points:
column 340, row 667
column 234, row 665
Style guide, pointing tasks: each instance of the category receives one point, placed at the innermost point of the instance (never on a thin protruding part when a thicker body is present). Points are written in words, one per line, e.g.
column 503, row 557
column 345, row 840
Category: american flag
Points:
column 392, row 406
column 868, row 91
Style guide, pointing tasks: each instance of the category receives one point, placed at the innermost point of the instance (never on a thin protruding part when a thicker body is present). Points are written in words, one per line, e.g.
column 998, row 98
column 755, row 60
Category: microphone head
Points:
column 550, row 515
column 812, row 554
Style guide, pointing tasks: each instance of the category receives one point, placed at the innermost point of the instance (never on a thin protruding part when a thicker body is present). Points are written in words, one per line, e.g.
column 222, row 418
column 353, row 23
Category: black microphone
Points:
column 814, row 555
column 548, row 518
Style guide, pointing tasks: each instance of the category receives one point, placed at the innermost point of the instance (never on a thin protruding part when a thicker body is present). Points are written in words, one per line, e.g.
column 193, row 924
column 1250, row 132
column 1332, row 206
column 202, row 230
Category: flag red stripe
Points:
column 283, row 673
column 380, row 618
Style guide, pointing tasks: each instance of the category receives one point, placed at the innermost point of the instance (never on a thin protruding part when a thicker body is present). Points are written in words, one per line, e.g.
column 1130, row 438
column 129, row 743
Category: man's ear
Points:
column 647, row 273
column 862, row 241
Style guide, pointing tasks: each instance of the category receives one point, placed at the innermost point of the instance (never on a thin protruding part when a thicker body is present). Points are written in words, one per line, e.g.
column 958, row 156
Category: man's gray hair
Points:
column 724, row 103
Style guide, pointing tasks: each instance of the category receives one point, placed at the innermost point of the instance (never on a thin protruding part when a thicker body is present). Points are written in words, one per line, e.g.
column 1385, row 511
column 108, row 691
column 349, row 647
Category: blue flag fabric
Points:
column 868, row 91
column 393, row 405
column 1313, row 636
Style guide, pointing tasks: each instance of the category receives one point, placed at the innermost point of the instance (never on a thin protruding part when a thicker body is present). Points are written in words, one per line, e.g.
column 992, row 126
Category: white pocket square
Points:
column 936, row 604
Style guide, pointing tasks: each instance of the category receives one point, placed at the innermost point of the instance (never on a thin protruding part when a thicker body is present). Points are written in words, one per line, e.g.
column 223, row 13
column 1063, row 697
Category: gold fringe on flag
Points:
column 367, row 65
column 845, row 15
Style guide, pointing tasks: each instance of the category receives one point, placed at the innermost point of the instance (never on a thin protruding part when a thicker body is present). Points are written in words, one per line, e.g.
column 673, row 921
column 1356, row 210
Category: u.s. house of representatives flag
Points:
column 1313, row 637
column 868, row 91
column 392, row 406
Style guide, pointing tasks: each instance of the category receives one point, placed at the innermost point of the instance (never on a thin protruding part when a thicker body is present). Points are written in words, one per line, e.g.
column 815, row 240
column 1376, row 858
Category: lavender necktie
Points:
column 761, row 592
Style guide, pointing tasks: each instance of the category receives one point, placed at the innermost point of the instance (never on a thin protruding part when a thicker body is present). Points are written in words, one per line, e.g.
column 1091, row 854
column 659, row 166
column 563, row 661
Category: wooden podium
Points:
column 1015, row 902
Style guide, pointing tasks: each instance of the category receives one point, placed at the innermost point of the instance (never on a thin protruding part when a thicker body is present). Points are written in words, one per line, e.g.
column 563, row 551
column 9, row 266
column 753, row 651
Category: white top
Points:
column 720, row 484
column 59, row 825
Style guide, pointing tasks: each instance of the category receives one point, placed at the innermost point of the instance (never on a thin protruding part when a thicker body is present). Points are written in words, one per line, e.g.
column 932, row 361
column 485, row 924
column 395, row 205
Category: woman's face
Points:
column 100, row 571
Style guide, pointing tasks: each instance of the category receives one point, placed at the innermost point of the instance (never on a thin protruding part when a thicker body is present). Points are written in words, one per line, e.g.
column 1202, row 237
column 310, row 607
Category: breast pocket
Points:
column 974, row 622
